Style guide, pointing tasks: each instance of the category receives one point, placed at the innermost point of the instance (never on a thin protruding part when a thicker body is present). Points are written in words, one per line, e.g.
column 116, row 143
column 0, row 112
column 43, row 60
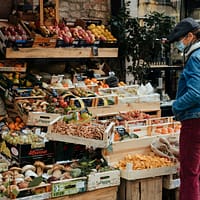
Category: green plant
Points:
column 140, row 41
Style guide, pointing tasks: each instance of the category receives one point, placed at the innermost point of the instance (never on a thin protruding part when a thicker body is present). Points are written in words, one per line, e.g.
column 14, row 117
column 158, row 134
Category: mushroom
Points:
column 7, row 176
column 14, row 190
column 2, row 189
column 29, row 170
column 15, row 170
column 65, row 175
column 23, row 184
column 19, row 178
column 39, row 167
column 57, row 171
column 28, row 179
column 28, row 167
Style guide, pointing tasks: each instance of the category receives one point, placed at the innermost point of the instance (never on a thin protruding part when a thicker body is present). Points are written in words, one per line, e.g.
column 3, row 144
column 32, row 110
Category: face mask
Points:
column 180, row 46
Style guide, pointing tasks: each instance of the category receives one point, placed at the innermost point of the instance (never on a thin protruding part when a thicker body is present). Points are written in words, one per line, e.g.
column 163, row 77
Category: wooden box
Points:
column 40, row 192
column 138, row 127
column 106, row 140
column 152, row 108
column 48, row 42
column 36, row 118
column 118, row 150
column 99, row 180
column 68, row 187
column 145, row 189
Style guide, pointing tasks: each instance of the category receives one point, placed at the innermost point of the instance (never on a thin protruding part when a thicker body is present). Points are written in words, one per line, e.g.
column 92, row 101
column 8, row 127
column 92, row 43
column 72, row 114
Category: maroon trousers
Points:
column 190, row 160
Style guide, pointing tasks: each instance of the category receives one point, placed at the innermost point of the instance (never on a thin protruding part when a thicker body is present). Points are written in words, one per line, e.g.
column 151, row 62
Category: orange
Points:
column 18, row 119
column 11, row 126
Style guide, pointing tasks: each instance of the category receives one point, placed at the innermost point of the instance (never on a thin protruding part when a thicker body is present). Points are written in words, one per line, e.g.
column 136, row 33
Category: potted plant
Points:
column 140, row 41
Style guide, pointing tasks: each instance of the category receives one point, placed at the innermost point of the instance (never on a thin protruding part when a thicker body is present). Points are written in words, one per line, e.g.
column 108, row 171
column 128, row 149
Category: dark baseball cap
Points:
column 183, row 28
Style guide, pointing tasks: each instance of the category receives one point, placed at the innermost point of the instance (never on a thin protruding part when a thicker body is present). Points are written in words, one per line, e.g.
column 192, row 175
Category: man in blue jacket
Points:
column 186, row 107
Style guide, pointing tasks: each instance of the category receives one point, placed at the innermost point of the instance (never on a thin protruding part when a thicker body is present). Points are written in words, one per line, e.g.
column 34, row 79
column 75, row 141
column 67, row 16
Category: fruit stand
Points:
column 107, row 130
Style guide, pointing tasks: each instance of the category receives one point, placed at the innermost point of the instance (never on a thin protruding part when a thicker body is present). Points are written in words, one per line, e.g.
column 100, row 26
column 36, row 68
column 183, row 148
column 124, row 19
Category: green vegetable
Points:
column 75, row 172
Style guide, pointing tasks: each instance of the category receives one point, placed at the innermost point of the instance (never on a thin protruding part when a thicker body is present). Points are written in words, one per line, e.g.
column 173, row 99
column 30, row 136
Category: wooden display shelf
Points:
column 70, row 52
column 109, row 193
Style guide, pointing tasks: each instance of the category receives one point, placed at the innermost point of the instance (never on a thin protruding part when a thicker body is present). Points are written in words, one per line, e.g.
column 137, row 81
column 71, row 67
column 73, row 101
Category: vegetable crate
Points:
column 138, row 127
column 33, row 193
column 36, row 118
column 148, row 188
column 161, row 129
column 41, row 119
column 69, row 187
column 153, row 108
column 99, row 180
column 118, row 150
column 89, row 141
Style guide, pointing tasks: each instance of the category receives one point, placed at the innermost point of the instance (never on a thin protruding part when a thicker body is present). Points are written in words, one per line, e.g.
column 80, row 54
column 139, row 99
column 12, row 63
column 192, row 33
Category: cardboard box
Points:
column 26, row 154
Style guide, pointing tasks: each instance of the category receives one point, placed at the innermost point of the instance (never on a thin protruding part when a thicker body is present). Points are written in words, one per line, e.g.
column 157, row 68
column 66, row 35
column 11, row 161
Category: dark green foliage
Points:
column 140, row 41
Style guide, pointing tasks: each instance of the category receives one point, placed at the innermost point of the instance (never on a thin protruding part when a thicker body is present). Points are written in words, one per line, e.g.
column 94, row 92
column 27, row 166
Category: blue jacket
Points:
column 187, row 102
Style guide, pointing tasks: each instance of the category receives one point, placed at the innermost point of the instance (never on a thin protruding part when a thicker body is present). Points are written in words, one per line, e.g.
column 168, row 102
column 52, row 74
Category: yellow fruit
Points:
column 91, row 26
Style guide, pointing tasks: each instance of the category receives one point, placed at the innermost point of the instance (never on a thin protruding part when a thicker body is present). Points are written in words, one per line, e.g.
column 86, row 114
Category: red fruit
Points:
column 64, row 104
column 54, row 100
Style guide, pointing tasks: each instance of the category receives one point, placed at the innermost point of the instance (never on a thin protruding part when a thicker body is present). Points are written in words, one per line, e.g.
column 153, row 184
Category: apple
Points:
column 66, row 39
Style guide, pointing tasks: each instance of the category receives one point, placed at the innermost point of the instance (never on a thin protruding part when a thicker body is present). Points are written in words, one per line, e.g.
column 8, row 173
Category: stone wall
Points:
column 90, row 9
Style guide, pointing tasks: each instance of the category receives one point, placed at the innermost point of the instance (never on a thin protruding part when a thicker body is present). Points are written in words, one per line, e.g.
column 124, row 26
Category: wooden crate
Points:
column 145, row 189
column 33, row 193
column 42, row 20
column 68, row 186
column 105, row 142
column 36, row 118
column 138, row 127
column 162, row 129
column 99, row 180
column 47, row 42
column 152, row 108
column 118, row 150
column 148, row 173
column 109, row 193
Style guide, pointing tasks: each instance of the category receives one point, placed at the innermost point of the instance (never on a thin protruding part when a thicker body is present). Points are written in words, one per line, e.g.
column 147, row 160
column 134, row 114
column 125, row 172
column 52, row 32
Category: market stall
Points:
column 109, row 129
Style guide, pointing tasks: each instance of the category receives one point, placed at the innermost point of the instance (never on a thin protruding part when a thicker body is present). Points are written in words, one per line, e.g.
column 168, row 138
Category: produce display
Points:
column 15, row 33
column 85, row 130
column 143, row 161
column 33, row 132
column 41, row 178
column 67, row 35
